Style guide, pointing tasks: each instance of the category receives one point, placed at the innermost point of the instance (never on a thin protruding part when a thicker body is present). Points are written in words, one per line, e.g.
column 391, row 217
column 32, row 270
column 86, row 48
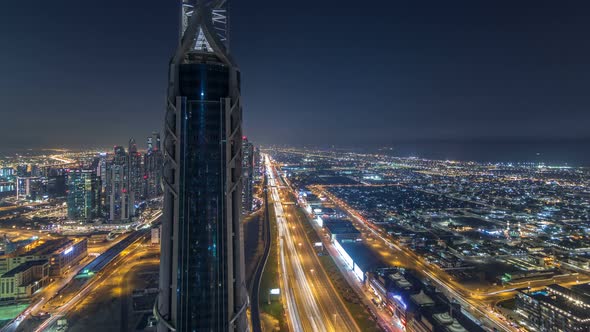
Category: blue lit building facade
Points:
column 202, row 285
column 83, row 196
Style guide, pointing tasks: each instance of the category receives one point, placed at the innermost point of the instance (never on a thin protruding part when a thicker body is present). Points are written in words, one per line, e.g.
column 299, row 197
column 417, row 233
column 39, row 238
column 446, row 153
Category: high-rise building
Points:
column 102, row 173
column 153, row 167
column 150, row 144
column 135, row 176
column 156, row 146
column 56, row 183
column 202, row 285
column 248, row 175
column 30, row 188
column 6, row 172
column 21, row 170
column 120, row 157
column 118, row 187
column 83, row 194
column 257, row 164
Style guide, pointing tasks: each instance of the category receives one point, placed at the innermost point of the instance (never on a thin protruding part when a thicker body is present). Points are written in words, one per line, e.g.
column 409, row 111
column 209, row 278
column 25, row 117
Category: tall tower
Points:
column 202, row 285
column 135, row 176
column 153, row 167
column 247, row 175
column 118, row 186
column 83, row 194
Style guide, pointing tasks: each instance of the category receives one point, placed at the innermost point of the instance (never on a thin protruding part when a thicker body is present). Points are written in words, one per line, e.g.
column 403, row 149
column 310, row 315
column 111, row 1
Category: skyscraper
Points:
column 29, row 188
column 248, row 175
column 202, row 285
column 56, row 183
column 83, row 194
column 153, row 167
column 153, row 142
column 102, row 173
column 118, row 186
column 135, row 176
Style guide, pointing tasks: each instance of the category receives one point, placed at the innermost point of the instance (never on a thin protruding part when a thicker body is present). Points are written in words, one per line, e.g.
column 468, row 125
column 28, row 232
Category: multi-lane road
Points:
column 312, row 303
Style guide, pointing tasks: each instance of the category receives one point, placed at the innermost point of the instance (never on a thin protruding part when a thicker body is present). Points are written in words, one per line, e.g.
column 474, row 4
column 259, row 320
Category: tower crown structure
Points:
column 215, row 13
column 204, row 32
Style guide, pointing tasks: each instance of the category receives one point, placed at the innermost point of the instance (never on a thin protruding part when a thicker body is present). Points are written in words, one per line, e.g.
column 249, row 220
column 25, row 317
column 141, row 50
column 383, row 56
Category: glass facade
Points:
column 83, row 195
column 202, row 284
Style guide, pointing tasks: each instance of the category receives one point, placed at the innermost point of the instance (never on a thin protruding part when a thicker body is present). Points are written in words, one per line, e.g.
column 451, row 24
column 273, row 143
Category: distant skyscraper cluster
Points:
column 107, row 186
column 32, row 182
column 129, row 178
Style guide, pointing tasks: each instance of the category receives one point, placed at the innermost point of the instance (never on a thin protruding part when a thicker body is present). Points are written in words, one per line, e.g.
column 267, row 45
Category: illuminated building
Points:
column 341, row 230
column 68, row 254
column 29, row 188
column 358, row 257
column 119, row 206
column 153, row 167
column 257, row 164
column 27, row 269
column 24, row 280
column 83, row 196
column 247, row 175
column 6, row 172
column 415, row 306
column 202, row 286
column 153, row 142
column 101, row 172
column 135, row 176
column 555, row 308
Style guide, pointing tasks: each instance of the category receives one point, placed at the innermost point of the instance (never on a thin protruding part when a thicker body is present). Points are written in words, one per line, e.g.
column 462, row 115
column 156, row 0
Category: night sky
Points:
column 93, row 73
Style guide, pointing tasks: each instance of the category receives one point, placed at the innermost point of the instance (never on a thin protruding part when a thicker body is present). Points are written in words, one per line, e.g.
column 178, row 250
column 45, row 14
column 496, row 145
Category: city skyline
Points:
column 427, row 71
column 237, row 166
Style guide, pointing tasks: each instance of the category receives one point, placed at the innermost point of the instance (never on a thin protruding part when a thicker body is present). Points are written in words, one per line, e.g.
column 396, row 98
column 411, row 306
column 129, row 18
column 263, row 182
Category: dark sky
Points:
column 93, row 73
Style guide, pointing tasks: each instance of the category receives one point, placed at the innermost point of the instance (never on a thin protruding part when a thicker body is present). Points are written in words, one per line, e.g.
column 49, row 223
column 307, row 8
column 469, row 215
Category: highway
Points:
column 312, row 302
column 255, row 283
column 385, row 320
column 477, row 304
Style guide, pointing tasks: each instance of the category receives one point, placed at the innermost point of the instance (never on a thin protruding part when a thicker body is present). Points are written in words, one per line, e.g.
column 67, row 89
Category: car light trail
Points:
column 310, row 306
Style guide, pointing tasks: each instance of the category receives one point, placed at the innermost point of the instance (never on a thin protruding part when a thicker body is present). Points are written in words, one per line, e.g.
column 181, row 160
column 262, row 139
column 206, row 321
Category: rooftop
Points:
column 362, row 256
column 563, row 299
column 43, row 247
column 23, row 267
column 337, row 226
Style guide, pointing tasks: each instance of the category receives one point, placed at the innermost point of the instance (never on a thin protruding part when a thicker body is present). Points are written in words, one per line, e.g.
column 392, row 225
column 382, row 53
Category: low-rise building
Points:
column 24, row 280
column 555, row 309
column 61, row 254
column 416, row 306
column 342, row 230
column 358, row 257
